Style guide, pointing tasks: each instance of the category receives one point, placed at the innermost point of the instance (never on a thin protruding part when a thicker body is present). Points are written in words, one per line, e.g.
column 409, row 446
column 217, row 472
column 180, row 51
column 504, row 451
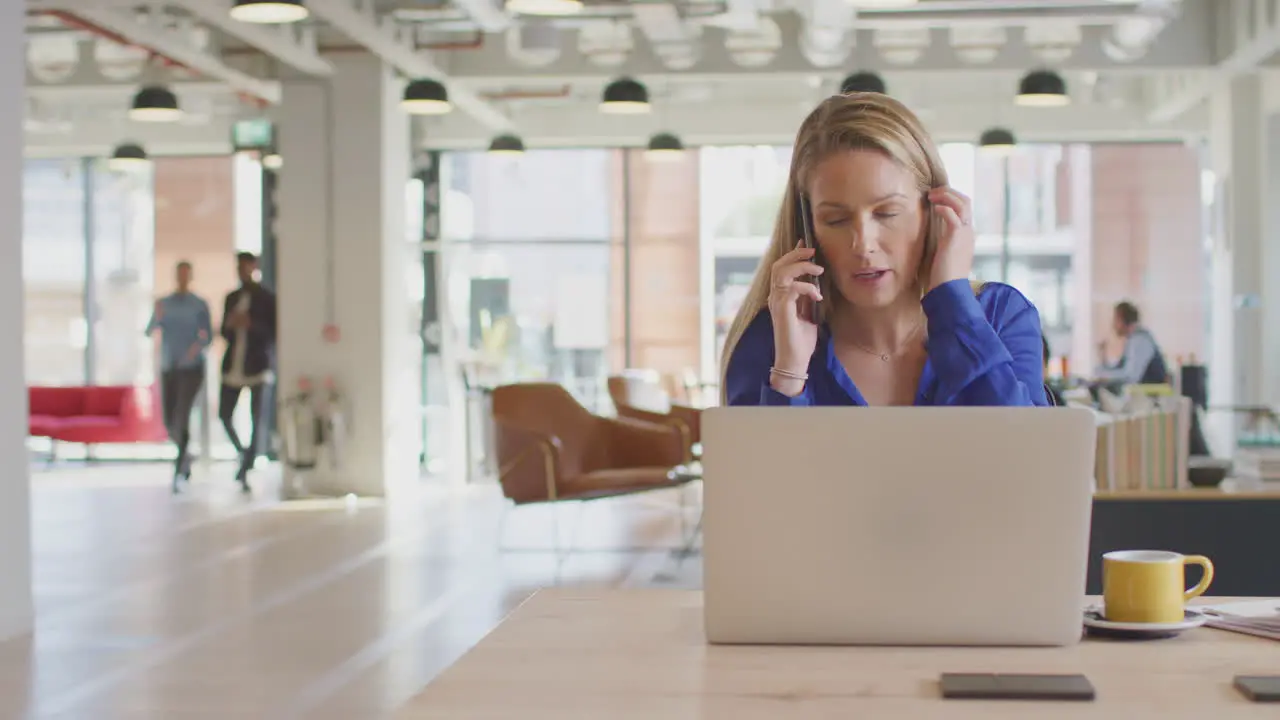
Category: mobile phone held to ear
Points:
column 807, row 240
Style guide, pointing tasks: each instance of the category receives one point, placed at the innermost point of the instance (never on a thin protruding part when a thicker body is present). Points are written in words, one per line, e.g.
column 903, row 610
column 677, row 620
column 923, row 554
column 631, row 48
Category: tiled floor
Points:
column 214, row 605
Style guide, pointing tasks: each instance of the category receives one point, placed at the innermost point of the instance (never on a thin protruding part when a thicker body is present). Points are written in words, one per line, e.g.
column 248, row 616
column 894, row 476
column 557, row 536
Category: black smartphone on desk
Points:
column 807, row 239
column 1002, row 686
column 1259, row 688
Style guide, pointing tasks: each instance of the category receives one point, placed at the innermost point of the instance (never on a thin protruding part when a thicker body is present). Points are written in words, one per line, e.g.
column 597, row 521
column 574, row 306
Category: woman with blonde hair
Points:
column 880, row 310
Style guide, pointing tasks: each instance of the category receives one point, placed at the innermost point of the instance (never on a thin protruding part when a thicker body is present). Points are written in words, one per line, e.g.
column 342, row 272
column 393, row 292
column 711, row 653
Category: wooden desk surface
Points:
column 584, row 654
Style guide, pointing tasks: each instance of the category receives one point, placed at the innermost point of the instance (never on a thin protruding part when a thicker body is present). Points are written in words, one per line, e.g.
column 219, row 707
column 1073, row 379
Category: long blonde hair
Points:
column 856, row 121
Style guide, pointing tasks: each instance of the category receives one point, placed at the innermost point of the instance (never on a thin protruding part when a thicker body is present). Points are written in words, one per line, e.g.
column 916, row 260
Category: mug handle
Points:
column 1207, row 577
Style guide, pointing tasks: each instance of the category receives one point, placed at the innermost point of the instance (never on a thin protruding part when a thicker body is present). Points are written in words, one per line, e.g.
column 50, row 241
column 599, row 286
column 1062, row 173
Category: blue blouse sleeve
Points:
column 746, row 380
column 991, row 356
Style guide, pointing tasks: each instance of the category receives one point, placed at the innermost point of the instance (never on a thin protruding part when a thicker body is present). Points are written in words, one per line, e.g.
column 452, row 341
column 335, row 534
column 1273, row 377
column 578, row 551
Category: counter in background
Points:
column 1238, row 530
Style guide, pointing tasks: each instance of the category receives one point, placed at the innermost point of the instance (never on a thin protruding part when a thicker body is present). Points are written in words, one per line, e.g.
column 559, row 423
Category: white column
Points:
column 344, row 258
column 1238, row 156
column 1269, row 269
column 16, row 613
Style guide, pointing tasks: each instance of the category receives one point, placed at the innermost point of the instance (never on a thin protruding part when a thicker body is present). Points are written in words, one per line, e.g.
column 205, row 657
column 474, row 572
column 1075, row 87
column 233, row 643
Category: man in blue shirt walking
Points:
column 185, row 331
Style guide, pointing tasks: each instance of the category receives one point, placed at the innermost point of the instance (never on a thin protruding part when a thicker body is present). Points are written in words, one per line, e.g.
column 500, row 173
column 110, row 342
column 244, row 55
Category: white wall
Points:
column 16, row 611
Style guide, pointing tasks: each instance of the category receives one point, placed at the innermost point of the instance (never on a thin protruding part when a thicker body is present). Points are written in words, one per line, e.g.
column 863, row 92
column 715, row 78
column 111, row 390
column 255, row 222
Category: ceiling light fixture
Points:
column 127, row 156
column 625, row 97
column 426, row 97
column 155, row 103
column 999, row 141
column 1042, row 88
column 880, row 4
column 863, row 82
column 544, row 7
column 664, row 147
column 507, row 145
column 269, row 12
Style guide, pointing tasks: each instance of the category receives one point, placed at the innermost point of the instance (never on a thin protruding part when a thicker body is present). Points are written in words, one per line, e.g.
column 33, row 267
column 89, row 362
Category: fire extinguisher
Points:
column 328, row 408
column 302, row 432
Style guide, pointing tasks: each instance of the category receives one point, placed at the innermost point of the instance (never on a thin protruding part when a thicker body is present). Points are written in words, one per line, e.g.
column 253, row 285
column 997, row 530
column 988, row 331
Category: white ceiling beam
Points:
column 739, row 15
column 168, row 44
column 115, row 90
column 752, row 122
column 1249, row 31
column 486, row 14
column 380, row 38
column 97, row 139
column 1182, row 45
column 660, row 22
column 291, row 46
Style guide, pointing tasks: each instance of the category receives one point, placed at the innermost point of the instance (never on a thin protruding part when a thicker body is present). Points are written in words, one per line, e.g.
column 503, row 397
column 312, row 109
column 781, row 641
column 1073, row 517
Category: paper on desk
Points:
column 1266, row 607
column 1260, row 618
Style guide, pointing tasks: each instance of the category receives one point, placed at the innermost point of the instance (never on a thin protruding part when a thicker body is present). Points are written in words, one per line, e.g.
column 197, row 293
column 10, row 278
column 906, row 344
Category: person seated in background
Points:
column 898, row 322
column 1055, row 397
column 1141, row 360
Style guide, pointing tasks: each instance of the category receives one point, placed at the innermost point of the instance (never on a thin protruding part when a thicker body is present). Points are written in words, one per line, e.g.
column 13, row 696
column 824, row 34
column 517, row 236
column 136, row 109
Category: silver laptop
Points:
column 896, row 526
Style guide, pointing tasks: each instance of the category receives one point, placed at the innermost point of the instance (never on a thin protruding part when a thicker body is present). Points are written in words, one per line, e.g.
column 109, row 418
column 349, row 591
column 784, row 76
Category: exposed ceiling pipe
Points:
column 674, row 40
column 827, row 36
column 74, row 21
column 362, row 25
column 1131, row 37
column 561, row 92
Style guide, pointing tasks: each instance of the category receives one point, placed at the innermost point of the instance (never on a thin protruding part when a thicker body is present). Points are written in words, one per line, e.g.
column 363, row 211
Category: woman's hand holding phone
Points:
column 795, row 334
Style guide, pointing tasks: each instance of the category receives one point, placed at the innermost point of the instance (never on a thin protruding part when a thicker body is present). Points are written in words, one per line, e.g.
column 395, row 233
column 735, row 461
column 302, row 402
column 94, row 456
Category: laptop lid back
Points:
column 948, row 526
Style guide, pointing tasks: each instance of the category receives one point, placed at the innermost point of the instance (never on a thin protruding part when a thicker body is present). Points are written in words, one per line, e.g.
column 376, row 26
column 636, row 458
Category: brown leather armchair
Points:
column 550, row 448
column 642, row 398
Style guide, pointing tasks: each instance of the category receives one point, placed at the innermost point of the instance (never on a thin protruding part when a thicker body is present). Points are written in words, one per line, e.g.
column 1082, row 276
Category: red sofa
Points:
column 92, row 415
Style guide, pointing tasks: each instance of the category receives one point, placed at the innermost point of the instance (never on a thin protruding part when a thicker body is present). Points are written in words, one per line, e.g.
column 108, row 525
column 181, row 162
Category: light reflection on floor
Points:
column 214, row 605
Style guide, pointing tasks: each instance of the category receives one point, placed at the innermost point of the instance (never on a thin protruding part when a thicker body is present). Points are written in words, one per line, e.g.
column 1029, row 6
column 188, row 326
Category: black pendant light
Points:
column 127, row 156
column 625, row 97
column 664, row 146
column 269, row 12
column 155, row 103
column 1043, row 88
column 997, row 140
column 507, row 145
column 426, row 97
column 863, row 82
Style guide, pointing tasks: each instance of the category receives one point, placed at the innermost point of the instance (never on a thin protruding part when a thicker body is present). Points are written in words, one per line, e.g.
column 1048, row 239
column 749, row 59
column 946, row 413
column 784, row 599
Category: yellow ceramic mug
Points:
column 1149, row 586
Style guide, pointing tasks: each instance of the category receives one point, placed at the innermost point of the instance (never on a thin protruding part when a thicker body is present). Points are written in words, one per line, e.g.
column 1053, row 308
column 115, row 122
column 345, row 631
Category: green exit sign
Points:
column 252, row 134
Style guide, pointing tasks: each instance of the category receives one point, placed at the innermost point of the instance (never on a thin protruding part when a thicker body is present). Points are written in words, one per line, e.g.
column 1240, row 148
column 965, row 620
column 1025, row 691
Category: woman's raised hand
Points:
column 795, row 333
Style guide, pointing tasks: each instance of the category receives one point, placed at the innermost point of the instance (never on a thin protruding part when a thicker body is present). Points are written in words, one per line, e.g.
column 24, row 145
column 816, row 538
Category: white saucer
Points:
column 1095, row 620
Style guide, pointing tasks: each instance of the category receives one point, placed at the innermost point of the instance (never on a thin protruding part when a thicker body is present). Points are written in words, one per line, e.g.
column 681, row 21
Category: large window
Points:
column 122, row 288
column 54, row 266
column 527, row 255
column 87, row 273
column 741, row 188
column 1016, row 218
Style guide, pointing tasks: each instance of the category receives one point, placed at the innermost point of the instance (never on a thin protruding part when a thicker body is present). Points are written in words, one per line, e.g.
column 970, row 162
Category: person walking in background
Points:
column 249, row 327
column 182, row 318
column 1141, row 361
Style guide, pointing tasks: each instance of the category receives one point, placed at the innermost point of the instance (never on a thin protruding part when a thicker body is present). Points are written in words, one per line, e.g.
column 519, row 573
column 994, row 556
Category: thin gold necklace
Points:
column 886, row 357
